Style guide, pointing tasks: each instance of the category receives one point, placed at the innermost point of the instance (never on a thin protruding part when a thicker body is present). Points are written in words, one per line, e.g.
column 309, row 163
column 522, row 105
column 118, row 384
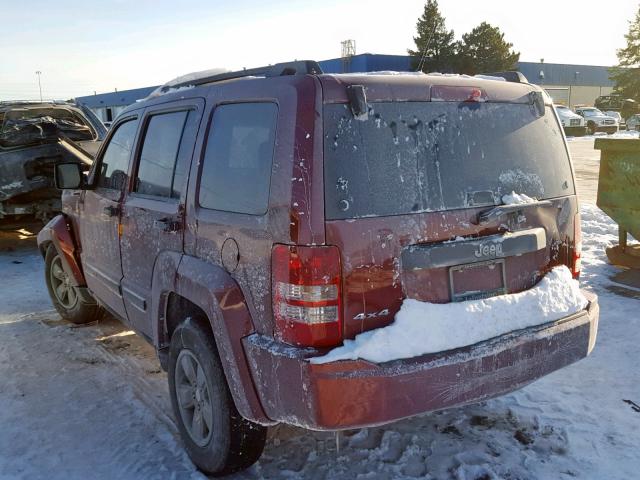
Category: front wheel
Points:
column 218, row 440
column 71, row 303
column 591, row 128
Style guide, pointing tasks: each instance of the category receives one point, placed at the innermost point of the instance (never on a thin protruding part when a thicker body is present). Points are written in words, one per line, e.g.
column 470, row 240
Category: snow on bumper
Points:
column 358, row 393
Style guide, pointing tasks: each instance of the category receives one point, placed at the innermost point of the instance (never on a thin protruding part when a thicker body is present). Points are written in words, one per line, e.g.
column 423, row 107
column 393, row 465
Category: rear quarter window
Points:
column 236, row 171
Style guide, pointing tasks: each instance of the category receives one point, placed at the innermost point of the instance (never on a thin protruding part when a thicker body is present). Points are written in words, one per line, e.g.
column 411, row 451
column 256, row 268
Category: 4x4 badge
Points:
column 363, row 316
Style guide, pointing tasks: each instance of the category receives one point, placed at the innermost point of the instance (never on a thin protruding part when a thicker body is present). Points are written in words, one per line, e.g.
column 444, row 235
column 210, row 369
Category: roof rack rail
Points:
column 510, row 76
column 34, row 102
column 299, row 67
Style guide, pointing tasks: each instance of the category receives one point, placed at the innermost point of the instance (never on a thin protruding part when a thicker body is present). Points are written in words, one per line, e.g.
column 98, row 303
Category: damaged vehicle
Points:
column 33, row 138
column 255, row 226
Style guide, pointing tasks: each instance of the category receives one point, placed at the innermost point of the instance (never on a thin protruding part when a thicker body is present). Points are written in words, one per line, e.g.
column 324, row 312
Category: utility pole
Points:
column 38, row 73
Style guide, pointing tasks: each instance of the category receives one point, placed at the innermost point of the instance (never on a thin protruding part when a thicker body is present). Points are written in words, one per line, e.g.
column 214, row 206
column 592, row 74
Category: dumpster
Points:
column 619, row 195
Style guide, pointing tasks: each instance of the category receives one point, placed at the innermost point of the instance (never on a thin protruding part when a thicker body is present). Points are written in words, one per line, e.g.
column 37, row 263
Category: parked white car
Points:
column 573, row 124
column 597, row 121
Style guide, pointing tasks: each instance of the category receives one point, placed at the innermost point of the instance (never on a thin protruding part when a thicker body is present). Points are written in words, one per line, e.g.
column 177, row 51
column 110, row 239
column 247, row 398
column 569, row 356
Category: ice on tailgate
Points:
column 420, row 327
column 514, row 198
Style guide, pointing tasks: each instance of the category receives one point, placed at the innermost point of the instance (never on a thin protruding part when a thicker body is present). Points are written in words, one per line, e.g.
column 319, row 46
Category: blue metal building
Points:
column 107, row 106
column 552, row 73
column 566, row 74
column 367, row 62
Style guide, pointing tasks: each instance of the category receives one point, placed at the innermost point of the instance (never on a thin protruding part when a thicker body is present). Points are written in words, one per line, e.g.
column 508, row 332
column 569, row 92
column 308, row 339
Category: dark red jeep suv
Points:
column 246, row 222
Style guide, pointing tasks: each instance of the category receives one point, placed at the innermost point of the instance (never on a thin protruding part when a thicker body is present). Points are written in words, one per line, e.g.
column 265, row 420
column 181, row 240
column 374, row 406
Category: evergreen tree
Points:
column 485, row 50
column 627, row 74
column 435, row 48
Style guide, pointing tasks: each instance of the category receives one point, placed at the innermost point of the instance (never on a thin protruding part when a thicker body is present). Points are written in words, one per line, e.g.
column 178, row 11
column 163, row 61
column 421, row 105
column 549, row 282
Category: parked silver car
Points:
column 633, row 122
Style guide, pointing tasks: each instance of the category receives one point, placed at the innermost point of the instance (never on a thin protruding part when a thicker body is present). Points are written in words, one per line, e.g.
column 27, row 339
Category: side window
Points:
column 236, row 174
column 115, row 161
column 157, row 171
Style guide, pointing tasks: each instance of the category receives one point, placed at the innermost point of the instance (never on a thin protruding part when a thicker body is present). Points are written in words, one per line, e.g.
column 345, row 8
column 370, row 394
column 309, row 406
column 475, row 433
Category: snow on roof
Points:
column 188, row 77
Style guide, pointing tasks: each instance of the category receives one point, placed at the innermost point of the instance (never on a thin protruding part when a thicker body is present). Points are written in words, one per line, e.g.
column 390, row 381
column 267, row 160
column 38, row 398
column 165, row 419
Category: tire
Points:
column 591, row 128
column 221, row 441
column 71, row 302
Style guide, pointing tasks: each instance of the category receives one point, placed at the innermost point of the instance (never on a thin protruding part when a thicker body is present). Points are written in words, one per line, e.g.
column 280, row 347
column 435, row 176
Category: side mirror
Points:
column 68, row 176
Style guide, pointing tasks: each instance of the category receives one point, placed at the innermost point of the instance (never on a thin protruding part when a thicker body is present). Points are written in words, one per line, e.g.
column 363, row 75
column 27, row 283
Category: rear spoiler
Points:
column 510, row 76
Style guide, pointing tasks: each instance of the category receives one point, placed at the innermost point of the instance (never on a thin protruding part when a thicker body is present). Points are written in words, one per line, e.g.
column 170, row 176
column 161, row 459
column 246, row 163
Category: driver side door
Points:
column 101, row 210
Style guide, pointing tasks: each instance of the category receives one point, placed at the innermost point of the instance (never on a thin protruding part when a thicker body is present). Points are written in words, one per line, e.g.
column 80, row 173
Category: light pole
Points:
column 38, row 73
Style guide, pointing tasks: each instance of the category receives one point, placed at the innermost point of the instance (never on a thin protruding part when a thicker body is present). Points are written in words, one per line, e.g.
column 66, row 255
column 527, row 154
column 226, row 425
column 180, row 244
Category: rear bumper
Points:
column 351, row 394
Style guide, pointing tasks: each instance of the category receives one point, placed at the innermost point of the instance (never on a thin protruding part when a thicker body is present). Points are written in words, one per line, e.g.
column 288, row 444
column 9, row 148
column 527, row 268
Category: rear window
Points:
column 411, row 157
column 27, row 126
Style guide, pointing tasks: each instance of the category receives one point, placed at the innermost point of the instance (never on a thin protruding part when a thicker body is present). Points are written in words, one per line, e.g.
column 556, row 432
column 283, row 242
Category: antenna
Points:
column 348, row 51
column 426, row 46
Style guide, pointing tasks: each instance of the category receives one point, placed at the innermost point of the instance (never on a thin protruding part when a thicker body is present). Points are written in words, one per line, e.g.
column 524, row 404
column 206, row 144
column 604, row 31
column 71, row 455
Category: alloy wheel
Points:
column 194, row 398
column 65, row 293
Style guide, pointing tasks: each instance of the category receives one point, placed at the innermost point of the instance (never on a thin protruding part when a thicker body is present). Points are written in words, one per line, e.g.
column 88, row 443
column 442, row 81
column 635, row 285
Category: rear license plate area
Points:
column 479, row 280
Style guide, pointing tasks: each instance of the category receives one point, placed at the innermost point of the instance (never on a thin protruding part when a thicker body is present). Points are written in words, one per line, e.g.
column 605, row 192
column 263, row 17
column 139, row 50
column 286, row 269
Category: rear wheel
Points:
column 591, row 128
column 71, row 303
column 218, row 440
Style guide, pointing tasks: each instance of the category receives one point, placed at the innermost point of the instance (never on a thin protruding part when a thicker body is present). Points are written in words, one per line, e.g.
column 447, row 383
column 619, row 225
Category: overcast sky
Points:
column 86, row 46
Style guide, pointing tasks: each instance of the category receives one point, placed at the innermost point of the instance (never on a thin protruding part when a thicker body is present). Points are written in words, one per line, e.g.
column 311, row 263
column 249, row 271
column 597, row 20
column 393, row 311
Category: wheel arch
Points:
column 58, row 232
column 194, row 287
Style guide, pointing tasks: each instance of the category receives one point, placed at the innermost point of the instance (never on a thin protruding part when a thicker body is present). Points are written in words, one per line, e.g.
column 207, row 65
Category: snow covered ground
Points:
column 620, row 134
column 91, row 402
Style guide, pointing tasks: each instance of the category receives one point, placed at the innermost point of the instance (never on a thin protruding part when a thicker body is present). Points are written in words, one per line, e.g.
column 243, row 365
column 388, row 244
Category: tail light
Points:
column 307, row 297
column 577, row 247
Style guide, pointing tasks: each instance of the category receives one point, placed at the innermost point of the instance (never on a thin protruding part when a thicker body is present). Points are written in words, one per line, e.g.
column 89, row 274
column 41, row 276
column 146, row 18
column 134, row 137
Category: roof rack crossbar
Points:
column 300, row 67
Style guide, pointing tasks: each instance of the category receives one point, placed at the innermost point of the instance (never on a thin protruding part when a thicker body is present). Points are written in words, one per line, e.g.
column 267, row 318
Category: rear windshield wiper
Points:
column 497, row 212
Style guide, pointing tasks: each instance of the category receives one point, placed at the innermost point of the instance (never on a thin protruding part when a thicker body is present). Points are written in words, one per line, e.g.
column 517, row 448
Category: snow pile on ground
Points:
column 422, row 327
column 620, row 134
column 514, row 198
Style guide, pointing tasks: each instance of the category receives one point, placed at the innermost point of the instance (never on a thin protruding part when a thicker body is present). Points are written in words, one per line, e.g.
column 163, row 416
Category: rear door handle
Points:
column 167, row 225
column 111, row 211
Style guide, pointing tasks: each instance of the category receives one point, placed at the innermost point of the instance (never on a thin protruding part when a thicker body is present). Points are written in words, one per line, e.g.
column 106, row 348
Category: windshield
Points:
column 411, row 157
column 592, row 112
